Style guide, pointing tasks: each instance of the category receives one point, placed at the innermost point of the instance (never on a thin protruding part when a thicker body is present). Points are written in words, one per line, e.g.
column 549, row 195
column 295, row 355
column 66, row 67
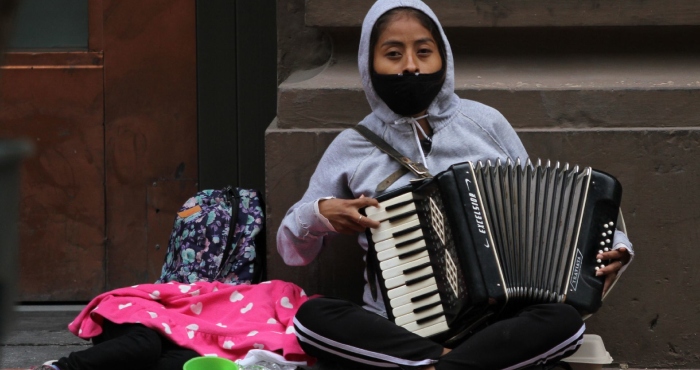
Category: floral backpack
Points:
column 214, row 238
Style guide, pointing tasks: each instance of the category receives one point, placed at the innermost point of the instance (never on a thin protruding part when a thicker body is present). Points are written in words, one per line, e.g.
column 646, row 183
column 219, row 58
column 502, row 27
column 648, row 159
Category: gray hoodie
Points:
column 463, row 130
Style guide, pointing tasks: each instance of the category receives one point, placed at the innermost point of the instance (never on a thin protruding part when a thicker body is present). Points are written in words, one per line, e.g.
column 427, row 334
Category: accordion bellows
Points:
column 482, row 237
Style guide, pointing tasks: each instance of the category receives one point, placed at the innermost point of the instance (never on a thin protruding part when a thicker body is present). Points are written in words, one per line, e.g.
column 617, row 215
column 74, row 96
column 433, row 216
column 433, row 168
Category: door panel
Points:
column 62, row 201
column 115, row 129
column 150, row 128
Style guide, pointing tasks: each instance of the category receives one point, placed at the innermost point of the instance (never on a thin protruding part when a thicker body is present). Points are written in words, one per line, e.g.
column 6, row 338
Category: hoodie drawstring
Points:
column 416, row 126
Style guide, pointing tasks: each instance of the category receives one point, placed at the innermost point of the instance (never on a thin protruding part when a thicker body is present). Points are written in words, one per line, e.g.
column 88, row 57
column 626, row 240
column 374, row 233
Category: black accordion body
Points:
column 479, row 238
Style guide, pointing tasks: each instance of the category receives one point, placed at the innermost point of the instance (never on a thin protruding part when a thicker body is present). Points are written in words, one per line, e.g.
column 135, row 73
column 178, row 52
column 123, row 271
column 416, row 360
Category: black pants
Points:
column 128, row 346
column 353, row 338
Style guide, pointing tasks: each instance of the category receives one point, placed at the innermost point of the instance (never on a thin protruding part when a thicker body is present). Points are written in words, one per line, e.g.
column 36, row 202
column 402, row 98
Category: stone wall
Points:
column 609, row 85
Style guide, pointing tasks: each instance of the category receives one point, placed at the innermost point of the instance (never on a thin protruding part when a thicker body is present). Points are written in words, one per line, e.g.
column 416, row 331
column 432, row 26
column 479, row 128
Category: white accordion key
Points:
column 389, row 233
column 409, row 307
column 399, row 270
column 403, row 300
column 393, row 223
column 413, row 316
column 428, row 330
column 403, row 279
column 380, row 213
column 415, row 327
column 406, row 289
column 396, row 261
column 396, row 252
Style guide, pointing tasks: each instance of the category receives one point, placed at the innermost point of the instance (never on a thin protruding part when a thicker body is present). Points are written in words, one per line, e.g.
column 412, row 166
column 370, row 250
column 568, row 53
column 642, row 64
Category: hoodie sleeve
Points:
column 303, row 230
column 620, row 240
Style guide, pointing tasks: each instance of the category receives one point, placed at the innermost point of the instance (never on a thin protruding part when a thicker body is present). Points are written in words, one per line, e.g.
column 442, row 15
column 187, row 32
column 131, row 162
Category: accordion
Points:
column 479, row 238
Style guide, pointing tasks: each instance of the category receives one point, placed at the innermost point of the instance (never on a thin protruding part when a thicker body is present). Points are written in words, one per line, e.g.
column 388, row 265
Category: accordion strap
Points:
column 416, row 167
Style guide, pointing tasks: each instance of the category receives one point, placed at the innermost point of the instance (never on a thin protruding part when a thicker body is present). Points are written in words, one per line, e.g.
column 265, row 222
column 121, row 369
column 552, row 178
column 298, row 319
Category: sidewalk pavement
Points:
column 40, row 333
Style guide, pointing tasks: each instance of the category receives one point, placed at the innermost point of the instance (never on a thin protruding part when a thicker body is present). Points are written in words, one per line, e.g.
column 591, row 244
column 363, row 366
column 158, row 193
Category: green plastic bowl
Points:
column 210, row 363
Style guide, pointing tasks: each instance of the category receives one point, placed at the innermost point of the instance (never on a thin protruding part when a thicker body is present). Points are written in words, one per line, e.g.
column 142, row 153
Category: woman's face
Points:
column 405, row 46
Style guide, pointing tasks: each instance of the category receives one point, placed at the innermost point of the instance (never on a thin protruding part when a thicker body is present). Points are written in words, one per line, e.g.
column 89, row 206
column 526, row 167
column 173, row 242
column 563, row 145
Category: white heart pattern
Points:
column 185, row 288
column 123, row 306
column 247, row 308
column 236, row 296
column 285, row 303
column 302, row 294
column 193, row 327
column 221, row 325
column 195, row 293
column 228, row 344
column 152, row 314
column 196, row 308
column 272, row 321
column 155, row 294
column 290, row 330
column 167, row 328
column 259, row 346
column 190, row 334
column 253, row 333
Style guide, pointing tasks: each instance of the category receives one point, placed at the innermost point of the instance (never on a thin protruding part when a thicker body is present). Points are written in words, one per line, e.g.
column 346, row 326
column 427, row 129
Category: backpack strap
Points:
column 233, row 199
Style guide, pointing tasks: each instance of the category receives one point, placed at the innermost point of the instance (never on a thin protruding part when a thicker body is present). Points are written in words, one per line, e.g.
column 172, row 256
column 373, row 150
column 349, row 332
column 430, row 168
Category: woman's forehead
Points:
column 405, row 27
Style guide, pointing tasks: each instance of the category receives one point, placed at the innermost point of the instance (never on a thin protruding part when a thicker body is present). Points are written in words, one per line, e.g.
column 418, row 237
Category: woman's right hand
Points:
column 344, row 214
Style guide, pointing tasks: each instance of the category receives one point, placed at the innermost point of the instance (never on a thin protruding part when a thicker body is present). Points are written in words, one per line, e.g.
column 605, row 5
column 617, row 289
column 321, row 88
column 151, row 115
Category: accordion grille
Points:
column 533, row 214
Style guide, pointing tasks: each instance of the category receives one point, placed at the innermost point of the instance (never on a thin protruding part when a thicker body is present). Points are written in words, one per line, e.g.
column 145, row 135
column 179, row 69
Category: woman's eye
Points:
column 425, row 52
column 393, row 54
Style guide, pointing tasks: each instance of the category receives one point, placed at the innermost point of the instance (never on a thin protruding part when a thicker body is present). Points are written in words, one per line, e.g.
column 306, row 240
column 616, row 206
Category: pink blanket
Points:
column 210, row 318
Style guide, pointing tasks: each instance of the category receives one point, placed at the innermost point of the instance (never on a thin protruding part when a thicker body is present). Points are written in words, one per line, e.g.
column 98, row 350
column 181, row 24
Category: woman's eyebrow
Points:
column 392, row 43
column 425, row 40
column 400, row 43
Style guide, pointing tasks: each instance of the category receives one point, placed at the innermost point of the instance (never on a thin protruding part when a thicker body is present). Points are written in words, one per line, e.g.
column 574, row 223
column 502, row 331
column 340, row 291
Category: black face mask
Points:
column 408, row 94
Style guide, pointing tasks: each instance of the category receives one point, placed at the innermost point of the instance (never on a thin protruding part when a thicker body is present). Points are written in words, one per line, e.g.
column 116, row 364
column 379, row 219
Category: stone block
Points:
column 532, row 92
column 518, row 13
column 290, row 159
column 650, row 317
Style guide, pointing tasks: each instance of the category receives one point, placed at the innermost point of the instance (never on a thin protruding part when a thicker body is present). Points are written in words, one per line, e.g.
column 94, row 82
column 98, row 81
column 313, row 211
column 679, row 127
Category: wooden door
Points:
column 114, row 126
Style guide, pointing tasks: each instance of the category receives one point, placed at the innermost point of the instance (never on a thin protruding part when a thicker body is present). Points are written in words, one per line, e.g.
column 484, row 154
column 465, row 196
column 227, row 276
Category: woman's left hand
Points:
column 619, row 257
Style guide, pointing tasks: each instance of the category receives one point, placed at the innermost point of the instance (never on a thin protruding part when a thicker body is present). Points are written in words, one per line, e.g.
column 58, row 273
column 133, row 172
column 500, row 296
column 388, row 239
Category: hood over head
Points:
column 446, row 102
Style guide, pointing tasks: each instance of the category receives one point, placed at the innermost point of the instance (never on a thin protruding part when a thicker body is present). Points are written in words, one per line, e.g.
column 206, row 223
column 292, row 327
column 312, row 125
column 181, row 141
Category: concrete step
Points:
column 518, row 13
column 541, row 91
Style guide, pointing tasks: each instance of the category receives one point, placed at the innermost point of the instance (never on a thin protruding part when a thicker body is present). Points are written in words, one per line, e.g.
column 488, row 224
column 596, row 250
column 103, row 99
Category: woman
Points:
column 408, row 76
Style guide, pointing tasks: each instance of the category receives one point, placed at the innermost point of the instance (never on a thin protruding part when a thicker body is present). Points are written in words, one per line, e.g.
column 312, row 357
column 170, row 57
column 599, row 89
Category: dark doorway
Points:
column 237, row 90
